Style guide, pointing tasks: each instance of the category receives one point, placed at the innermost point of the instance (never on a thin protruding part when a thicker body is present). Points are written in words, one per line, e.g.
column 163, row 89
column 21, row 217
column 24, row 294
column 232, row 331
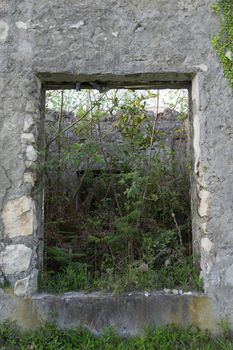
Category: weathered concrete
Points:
column 149, row 43
column 129, row 313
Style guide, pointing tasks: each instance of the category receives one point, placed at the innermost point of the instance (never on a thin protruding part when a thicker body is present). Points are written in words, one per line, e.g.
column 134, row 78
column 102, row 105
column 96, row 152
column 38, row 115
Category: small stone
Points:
column 206, row 244
column 147, row 294
column 5, row 184
column 26, row 286
column 205, row 198
column 29, row 178
column 30, row 108
column 188, row 293
column 4, row 29
column 21, row 287
column 31, row 153
column 28, row 123
column 229, row 55
column 77, row 25
column 27, row 138
column 115, row 34
column 29, row 164
column 175, row 291
column 33, row 282
column 204, row 227
column 181, row 292
column 21, row 25
column 15, row 258
column 202, row 66
column 167, row 291
column 144, row 267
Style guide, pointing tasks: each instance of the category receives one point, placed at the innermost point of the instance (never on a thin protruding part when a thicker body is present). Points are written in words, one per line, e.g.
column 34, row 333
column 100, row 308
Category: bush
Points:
column 124, row 222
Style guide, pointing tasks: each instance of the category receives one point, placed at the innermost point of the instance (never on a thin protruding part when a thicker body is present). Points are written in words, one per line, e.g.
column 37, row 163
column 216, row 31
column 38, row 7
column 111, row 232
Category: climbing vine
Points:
column 223, row 41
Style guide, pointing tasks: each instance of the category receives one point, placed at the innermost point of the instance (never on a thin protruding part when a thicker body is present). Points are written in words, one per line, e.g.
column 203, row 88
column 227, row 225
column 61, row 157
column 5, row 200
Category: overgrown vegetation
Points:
column 170, row 338
column 223, row 42
column 117, row 214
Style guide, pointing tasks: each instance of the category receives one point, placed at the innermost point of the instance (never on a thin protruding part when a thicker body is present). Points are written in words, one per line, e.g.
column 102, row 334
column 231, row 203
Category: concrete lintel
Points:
column 162, row 80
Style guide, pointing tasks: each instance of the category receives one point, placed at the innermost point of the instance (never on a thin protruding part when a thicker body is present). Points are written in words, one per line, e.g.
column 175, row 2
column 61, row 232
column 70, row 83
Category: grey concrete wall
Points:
column 120, row 41
column 128, row 313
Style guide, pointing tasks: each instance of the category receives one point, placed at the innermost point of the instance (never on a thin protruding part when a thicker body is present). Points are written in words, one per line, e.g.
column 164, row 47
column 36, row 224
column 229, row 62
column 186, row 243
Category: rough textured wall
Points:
column 119, row 37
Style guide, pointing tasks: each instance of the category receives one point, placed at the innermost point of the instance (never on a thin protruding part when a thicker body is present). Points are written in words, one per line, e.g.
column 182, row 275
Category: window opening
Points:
column 117, row 191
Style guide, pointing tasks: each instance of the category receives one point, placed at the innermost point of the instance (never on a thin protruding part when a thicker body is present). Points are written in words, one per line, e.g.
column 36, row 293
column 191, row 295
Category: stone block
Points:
column 205, row 198
column 15, row 258
column 206, row 244
column 19, row 217
column 28, row 138
column 28, row 123
column 29, row 178
column 5, row 184
column 31, row 153
column 26, row 286
column 21, row 287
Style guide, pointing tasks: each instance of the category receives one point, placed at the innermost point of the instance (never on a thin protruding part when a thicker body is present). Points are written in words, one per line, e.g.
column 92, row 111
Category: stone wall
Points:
column 156, row 43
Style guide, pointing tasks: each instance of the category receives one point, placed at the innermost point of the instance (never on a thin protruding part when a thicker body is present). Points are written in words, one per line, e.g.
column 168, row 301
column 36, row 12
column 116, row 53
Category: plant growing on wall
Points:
column 223, row 41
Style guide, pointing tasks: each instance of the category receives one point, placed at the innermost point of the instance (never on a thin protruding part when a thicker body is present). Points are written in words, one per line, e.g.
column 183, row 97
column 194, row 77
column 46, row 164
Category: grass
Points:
column 170, row 338
column 182, row 275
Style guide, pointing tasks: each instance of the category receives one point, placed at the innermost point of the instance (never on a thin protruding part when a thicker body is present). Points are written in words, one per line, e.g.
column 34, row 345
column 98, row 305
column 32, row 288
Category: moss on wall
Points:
column 223, row 41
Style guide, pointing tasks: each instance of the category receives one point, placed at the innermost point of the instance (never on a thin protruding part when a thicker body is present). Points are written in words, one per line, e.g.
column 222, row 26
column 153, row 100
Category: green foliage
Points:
column 182, row 275
column 5, row 284
column 72, row 277
column 50, row 337
column 223, row 42
column 225, row 328
column 133, row 211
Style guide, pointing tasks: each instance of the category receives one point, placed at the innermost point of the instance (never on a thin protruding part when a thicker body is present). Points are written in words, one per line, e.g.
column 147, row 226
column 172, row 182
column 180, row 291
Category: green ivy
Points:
column 223, row 41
